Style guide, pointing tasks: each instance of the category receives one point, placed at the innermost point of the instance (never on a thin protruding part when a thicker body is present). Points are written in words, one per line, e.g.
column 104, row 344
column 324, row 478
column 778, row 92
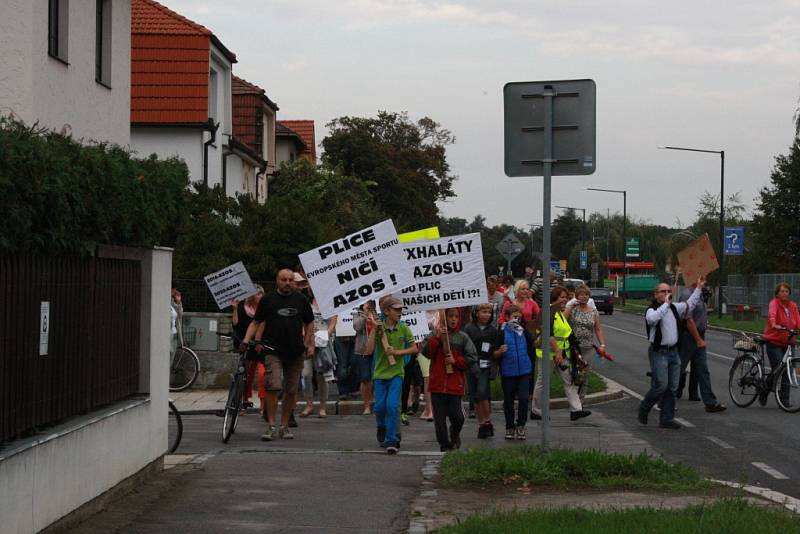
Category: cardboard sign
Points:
column 448, row 273
column 364, row 265
column 232, row 282
column 698, row 259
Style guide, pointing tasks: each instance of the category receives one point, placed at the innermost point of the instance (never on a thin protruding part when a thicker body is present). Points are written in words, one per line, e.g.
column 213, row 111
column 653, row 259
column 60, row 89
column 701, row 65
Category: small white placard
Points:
column 230, row 283
column 212, row 325
column 44, row 328
column 485, row 346
column 484, row 364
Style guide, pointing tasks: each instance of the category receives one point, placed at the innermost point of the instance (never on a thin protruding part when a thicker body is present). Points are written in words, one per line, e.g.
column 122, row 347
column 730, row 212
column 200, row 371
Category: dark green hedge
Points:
column 58, row 196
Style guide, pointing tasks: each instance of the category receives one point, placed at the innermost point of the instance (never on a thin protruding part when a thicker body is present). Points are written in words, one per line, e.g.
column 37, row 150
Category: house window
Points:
column 57, row 28
column 212, row 95
column 102, row 49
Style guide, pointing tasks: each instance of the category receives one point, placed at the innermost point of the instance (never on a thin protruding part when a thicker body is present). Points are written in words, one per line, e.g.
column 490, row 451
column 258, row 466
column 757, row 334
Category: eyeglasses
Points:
column 664, row 291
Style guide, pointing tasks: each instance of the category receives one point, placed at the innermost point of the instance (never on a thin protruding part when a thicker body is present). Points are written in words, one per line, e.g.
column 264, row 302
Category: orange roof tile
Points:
column 305, row 129
column 169, row 66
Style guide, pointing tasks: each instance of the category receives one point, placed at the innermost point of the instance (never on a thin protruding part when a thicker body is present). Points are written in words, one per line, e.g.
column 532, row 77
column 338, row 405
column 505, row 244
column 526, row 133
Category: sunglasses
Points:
column 664, row 291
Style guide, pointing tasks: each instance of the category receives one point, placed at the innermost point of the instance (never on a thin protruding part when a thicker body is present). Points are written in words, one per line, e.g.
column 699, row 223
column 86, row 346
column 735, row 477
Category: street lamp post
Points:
column 533, row 228
column 624, row 232
column 583, row 228
column 721, row 215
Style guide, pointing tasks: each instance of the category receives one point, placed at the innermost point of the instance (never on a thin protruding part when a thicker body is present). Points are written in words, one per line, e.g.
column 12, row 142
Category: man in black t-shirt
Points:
column 283, row 320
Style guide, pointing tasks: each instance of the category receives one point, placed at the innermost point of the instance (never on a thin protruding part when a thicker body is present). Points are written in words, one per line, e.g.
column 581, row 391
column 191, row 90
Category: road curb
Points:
column 613, row 392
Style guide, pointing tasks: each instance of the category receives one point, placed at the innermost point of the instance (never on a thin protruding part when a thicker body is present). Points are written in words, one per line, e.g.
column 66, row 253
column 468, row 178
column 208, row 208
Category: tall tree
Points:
column 406, row 160
column 776, row 222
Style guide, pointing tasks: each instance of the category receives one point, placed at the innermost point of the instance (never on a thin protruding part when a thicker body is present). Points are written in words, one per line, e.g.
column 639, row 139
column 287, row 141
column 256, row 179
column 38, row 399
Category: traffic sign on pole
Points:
column 584, row 259
column 632, row 247
column 734, row 240
column 510, row 247
column 549, row 130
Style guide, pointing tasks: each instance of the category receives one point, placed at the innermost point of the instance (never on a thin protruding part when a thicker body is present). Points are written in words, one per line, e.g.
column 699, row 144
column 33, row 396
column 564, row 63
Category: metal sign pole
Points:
column 545, row 312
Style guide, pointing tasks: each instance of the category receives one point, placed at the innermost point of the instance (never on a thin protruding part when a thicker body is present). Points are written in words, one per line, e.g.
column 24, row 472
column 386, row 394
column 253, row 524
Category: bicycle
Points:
column 184, row 365
column 748, row 379
column 174, row 428
column 236, row 391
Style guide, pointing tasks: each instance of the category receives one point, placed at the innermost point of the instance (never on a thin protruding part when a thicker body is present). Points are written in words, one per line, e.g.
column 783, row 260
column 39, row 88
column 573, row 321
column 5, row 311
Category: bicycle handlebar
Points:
column 250, row 344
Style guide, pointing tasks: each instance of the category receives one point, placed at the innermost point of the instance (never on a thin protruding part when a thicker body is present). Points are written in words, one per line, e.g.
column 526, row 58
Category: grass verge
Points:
column 563, row 467
column 596, row 385
column 731, row 516
column 727, row 321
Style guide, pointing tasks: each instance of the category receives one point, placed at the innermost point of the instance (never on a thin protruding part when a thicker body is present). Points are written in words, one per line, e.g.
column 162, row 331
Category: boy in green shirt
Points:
column 391, row 340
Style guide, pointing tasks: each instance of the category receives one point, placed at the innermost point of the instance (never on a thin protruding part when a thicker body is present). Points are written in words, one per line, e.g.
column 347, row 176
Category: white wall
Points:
column 75, row 462
column 234, row 176
column 37, row 87
column 185, row 143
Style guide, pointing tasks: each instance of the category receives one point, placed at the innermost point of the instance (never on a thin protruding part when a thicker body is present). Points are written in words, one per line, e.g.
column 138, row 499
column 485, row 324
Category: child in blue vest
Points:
column 516, row 366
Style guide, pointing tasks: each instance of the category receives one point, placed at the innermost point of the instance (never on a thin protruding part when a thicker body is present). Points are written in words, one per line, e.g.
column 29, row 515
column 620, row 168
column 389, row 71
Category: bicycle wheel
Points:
column 744, row 381
column 183, row 369
column 791, row 402
column 175, row 428
column 232, row 406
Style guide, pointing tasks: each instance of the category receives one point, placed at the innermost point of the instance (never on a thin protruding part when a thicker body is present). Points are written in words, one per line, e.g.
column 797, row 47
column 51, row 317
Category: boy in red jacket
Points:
column 446, row 382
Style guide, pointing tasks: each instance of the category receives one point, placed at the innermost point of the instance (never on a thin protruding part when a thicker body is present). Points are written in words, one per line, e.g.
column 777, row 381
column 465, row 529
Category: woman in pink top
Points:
column 523, row 299
column 783, row 315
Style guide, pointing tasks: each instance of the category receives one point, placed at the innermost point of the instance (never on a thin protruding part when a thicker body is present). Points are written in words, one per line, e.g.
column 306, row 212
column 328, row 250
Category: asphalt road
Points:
column 755, row 445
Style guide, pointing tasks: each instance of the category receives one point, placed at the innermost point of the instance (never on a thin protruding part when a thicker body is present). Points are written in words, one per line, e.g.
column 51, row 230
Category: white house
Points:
column 180, row 91
column 66, row 65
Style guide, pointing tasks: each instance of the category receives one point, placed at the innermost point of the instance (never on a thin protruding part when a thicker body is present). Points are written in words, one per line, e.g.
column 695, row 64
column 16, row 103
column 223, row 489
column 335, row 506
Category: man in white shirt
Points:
column 663, row 322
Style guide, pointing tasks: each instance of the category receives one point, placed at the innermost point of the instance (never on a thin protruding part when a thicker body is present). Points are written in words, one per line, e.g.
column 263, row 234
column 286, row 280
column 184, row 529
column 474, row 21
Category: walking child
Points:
column 516, row 366
column 452, row 354
column 389, row 341
column 484, row 336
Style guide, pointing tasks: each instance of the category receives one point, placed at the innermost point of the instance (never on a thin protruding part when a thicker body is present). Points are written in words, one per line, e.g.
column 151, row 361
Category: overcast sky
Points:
column 720, row 75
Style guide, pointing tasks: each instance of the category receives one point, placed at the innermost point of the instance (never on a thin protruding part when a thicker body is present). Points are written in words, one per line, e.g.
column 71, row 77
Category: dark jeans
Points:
column 346, row 366
column 690, row 352
column 665, row 368
column 515, row 388
column 445, row 406
column 775, row 354
column 412, row 376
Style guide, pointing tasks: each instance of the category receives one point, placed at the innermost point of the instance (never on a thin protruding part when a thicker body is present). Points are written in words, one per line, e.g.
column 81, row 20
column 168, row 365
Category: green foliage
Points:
column 565, row 467
column 776, row 223
column 405, row 160
column 59, row 196
column 732, row 516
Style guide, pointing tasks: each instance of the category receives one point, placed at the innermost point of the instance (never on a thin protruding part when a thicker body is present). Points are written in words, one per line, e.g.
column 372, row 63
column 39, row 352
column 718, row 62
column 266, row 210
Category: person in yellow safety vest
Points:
column 560, row 331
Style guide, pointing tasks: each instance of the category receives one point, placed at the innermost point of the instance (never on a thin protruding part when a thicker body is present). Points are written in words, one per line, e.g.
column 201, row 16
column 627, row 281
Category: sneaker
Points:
column 491, row 429
column 285, row 433
column 673, row 425
column 580, row 414
column 510, row 433
column 712, row 408
column 269, row 435
column 471, row 414
column 247, row 404
column 642, row 417
column 445, row 448
column 392, row 448
column 404, row 419
column 535, row 416
column 483, row 431
column 292, row 421
column 521, row 433
column 762, row 397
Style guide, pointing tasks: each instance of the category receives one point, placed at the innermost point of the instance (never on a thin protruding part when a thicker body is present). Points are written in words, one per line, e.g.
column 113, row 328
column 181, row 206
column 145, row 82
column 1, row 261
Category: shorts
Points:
column 479, row 385
column 283, row 374
column 364, row 366
column 424, row 365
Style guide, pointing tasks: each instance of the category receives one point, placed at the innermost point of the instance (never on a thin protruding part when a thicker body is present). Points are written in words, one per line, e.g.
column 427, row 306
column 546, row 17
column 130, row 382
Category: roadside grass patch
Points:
column 596, row 385
column 529, row 465
column 731, row 516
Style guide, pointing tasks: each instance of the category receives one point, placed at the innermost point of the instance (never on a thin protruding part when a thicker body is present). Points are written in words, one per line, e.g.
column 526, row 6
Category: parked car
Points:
column 603, row 299
column 572, row 283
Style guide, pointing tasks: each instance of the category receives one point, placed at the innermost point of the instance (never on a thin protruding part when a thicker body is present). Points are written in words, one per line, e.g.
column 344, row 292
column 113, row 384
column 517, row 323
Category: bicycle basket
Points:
column 743, row 342
column 189, row 335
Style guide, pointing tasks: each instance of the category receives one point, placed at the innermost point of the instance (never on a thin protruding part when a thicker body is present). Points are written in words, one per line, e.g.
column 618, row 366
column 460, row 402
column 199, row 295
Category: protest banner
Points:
column 364, row 265
column 232, row 282
column 697, row 259
column 448, row 272
column 344, row 323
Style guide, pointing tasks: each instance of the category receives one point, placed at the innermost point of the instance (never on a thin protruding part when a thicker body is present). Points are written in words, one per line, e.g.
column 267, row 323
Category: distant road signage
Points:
column 584, row 259
column 632, row 247
column 734, row 240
